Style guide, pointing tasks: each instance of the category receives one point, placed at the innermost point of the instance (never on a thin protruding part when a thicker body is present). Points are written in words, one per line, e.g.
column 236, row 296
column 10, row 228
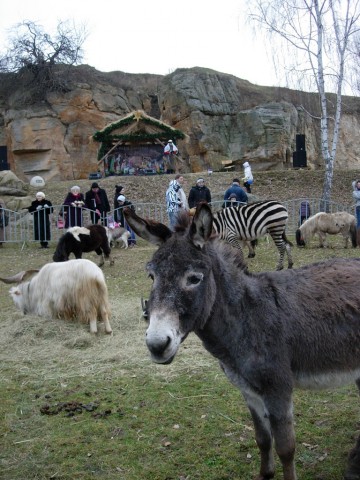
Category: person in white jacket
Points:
column 248, row 177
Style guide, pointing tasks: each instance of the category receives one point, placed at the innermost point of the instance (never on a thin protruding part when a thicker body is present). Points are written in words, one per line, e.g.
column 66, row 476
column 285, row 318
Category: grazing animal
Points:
column 79, row 240
column 72, row 290
column 327, row 223
column 271, row 331
column 118, row 235
column 249, row 222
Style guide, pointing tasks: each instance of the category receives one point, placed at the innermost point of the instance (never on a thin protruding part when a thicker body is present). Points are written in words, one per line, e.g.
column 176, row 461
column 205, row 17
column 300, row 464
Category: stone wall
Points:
column 225, row 119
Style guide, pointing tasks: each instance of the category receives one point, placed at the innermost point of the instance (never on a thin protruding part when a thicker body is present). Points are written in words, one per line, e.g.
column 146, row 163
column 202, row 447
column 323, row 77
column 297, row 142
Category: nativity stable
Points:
column 134, row 145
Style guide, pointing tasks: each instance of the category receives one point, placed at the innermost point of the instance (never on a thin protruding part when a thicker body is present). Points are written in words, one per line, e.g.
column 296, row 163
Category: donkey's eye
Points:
column 195, row 279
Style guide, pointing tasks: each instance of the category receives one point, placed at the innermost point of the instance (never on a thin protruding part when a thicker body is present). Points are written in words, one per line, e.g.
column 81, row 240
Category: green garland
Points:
column 107, row 139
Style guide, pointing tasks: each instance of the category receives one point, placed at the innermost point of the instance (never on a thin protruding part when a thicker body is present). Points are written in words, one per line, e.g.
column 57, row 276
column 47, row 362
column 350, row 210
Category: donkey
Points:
column 271, row 331
column 79, row 240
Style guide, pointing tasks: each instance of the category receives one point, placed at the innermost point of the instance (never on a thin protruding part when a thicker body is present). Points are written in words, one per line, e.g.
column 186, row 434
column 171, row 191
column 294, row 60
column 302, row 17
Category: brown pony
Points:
column 79, row 240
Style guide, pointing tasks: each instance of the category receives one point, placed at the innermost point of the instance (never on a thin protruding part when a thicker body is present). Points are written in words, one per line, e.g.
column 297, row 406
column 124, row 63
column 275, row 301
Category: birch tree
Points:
column 319, row 37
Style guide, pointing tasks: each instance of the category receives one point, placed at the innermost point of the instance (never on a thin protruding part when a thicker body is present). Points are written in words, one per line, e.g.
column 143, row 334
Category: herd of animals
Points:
column 271, row 331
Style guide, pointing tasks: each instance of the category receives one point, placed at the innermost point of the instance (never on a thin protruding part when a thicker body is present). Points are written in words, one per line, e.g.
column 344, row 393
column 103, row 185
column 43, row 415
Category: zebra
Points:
column 249, row 222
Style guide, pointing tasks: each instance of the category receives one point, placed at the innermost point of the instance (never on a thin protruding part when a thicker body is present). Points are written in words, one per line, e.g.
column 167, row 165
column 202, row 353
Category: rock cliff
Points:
column 225, row 119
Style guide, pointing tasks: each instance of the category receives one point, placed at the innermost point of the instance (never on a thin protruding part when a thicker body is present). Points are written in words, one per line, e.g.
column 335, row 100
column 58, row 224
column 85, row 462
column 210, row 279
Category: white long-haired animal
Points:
column 322, row 223
column 75, row 289
column 118, row 235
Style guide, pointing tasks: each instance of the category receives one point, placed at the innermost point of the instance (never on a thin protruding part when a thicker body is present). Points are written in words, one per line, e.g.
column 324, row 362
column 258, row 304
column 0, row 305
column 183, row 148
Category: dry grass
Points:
column 182, row 421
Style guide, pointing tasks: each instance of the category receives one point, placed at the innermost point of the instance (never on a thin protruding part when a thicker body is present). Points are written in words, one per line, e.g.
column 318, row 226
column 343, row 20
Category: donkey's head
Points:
column 183, row 290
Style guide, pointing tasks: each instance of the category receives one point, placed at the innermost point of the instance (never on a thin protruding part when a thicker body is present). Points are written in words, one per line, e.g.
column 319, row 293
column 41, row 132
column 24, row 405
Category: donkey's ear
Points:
column 154, row 232
column 201, row 227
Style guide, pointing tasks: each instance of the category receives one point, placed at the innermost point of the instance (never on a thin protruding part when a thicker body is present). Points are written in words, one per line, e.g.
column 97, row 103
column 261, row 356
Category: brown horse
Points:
column 79, row 240
column 271, row 331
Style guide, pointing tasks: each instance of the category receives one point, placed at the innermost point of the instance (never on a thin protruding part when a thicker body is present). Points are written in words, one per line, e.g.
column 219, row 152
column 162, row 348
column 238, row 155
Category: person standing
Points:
column 73, row 204
column 241, row 195
column 170, row 151
column 184, row 202
column 119, row 190
column 199, row 193
column 122, row 202
column 248, row 177
column 356, row 195
column 97, row 201
column 4, row 220
column 41, row 210
column 173, row 200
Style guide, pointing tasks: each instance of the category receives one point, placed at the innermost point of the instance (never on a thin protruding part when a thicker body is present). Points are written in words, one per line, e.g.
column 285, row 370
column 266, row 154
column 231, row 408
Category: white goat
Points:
column 118, row 235
column 67, row 290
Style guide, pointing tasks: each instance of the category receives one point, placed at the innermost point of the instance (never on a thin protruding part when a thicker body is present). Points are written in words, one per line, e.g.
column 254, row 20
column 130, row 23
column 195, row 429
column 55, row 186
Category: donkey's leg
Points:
column 353, row 465
column 263, row 435
column 282, row 426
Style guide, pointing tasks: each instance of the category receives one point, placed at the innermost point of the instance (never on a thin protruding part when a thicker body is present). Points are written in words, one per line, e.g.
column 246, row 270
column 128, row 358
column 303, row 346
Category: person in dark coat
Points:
column 4, row 220
column 121, row 203
column 241, row 195
column 73, row 204
column 119, row 190
column 199, row 193
column 97, row 201
column 41, row 210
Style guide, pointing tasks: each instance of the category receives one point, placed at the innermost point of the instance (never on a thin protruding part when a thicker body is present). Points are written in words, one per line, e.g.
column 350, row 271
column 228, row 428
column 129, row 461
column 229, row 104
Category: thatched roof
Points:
column 135, row 128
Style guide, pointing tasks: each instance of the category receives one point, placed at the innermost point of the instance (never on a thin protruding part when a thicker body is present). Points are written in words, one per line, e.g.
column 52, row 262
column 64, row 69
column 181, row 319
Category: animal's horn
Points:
column 19, row 277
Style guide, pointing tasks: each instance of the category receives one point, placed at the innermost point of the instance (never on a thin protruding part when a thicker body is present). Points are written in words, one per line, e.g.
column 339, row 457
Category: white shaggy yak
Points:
column 322, row 223
column 70, row 290
column 118, row 235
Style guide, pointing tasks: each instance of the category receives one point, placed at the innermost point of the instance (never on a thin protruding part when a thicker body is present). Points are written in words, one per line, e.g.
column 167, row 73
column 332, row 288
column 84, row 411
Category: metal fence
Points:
column 20, row 226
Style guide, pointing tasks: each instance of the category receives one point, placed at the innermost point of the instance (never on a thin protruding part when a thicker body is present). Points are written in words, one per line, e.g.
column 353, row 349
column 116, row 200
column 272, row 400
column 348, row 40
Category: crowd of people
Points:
column 71, row 213
column 96, row 202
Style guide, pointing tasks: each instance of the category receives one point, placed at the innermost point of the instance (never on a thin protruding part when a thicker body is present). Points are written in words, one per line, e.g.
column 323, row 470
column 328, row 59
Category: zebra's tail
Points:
column 286, row 240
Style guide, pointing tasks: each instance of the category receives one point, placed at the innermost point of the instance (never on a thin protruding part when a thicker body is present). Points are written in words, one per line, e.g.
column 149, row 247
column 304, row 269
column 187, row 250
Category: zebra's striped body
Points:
column 249, row 222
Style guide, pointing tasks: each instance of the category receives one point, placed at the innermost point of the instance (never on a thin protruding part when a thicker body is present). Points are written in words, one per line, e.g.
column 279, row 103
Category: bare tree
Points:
column 319, row 36
column 33, row 53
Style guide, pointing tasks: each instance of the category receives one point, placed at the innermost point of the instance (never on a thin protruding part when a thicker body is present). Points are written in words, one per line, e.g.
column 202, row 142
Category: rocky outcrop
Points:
column 225, row 120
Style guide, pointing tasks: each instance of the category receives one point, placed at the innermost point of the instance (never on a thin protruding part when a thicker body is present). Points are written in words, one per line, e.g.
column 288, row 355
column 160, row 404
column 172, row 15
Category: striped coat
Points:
column 252, row 221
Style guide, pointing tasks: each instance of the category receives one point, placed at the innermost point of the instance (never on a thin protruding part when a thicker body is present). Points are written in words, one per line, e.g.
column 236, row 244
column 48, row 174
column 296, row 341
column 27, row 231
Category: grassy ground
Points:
column 76, row 406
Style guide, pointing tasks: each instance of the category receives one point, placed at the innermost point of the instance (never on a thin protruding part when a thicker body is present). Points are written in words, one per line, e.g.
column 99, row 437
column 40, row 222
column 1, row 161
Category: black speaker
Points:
column 300, row 143
column 3, row 158
column 299, row 159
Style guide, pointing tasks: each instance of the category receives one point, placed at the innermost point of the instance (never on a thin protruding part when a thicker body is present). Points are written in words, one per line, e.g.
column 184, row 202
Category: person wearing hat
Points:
column 199, row 193
column 248, row 177
column 231, row 201
column 235, row 188
column 119, row 212
column 170, row 150
column 97, row 202
column 41, row 210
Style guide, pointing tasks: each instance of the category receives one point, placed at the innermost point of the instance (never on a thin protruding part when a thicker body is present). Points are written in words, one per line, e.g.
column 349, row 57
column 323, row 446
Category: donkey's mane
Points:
column 183, row 222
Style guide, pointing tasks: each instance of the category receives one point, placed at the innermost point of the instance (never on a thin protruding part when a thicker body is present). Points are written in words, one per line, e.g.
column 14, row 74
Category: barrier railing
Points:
column 20, row 227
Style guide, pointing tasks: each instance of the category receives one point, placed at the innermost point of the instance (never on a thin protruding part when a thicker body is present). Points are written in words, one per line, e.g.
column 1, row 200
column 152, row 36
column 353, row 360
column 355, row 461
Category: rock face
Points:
column 226, row 120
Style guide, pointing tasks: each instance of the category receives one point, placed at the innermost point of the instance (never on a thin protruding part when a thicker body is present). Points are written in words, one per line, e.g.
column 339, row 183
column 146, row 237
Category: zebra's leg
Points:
column 234, row 241
column 281, row 246
column 289, row 255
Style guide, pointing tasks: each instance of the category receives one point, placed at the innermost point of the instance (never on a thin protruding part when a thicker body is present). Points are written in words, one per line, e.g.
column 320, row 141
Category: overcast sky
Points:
column 155, row 36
